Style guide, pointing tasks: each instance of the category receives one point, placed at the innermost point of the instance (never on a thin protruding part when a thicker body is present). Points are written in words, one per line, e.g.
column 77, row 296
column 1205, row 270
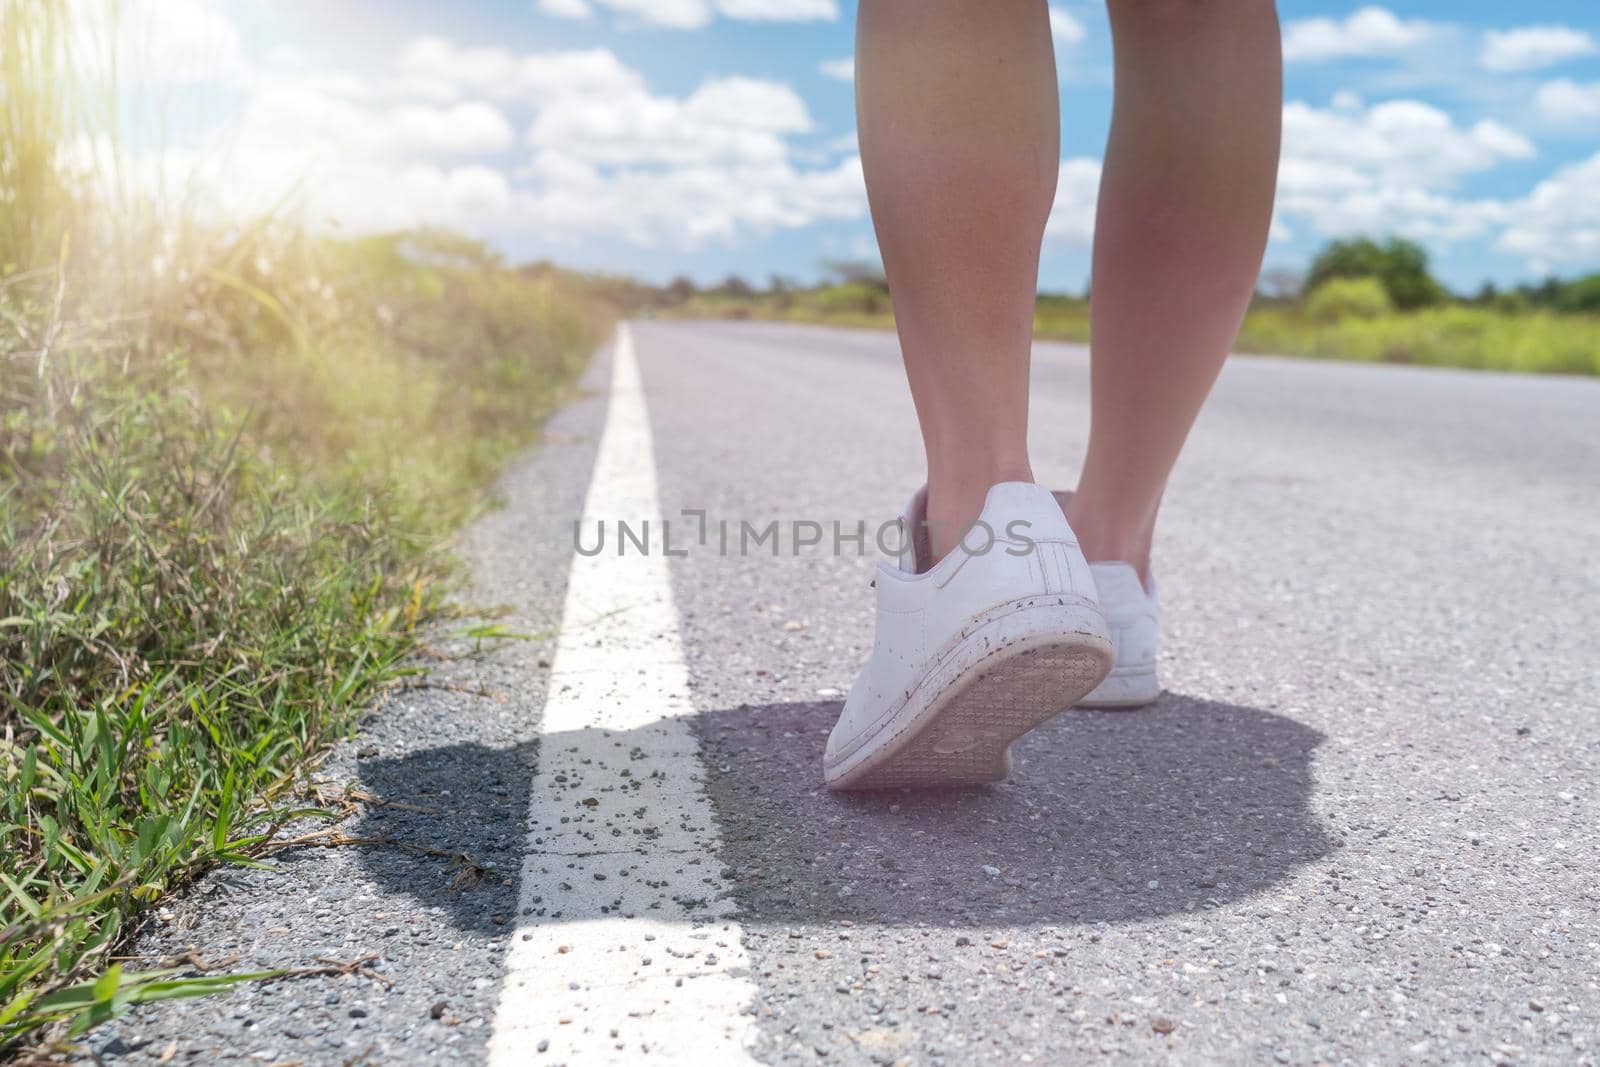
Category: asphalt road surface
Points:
column 1360, row 826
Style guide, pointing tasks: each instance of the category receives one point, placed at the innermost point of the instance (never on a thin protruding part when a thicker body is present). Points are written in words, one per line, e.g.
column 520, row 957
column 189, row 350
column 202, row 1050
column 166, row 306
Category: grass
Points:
column 1452, row 335
column 230, row 459
column 212, row 553
column 1537, row 342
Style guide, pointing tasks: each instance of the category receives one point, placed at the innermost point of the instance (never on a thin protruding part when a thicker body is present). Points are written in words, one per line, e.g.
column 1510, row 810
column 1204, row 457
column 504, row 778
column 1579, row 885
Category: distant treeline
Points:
column 1398, row 267
column 1359, row 300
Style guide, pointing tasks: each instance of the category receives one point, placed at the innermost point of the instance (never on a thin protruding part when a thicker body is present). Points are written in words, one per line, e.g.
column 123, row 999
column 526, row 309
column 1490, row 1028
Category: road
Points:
column 1361, row 825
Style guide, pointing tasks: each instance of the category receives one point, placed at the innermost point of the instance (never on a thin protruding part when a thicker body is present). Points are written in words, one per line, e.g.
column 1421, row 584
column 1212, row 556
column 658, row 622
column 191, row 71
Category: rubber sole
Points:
column 1009, row 670
column 1125, row 688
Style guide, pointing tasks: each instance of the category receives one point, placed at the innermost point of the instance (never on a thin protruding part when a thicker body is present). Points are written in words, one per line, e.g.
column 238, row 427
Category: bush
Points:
column 856, row 298
column 1401, row 265
column 1061, row 317
column 1348, row 298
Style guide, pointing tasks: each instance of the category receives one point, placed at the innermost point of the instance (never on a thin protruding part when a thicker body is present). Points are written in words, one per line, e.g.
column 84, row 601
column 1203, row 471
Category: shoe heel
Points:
column 1010, row 669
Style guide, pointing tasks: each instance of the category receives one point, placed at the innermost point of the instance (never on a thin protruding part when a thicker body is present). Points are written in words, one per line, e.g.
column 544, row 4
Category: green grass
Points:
column 230, row 460
column 1539, row 342
column 1542, row 342
column 210, row 556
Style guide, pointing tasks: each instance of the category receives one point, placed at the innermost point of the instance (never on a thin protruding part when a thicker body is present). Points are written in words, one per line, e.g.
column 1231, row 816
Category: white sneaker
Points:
column 1133, row 617
column 973, row 653
column 1134, row 620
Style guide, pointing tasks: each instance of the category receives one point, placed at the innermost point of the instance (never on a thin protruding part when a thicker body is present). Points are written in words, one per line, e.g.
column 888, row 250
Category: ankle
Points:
column 956, row 498
column 1105, row 537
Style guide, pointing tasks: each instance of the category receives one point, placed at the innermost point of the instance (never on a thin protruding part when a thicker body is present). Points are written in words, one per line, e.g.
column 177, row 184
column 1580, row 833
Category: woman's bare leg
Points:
column 1185, row 204
column 957, row 113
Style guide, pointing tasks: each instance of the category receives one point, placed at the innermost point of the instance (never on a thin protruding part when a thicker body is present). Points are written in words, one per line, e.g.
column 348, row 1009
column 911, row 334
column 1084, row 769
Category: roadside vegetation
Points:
column 230, row 457
column 1360, row 300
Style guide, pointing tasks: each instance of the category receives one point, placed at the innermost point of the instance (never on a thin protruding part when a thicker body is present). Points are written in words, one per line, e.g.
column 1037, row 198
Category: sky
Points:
column 710, row 137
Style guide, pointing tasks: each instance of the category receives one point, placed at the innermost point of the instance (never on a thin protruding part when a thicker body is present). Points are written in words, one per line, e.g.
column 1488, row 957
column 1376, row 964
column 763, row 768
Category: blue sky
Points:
column 658, row 137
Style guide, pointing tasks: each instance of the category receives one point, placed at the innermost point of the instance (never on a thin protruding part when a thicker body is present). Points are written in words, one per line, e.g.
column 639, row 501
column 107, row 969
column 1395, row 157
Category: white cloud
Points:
column 1405, row 142
column 301, row 118
column 609, row 156
column 439, row 69
column 156, row 42
column 1397, row 167
column 361, row 197
column 593, row 72
column 693, row 14
column 1065, row 28
column 689, row 206
column 844, row 69
column 1566, row 102
column 345, row 162
column 1348, row 100
column 673, row 14
column 1558, row 223
column 1371, row 31
column 471, row 128
column 779, row 10
column 565, row 9
column 1389, row 168
column 1077, row 189
column 733, row 121
column 749, row 103
column 442, row 70
column 652, row 169
column 375, row 152
column 1534, row 47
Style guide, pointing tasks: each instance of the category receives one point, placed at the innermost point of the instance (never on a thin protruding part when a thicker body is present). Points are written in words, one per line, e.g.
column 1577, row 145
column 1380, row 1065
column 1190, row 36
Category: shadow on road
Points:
column 468, row 801
column 1110, row 816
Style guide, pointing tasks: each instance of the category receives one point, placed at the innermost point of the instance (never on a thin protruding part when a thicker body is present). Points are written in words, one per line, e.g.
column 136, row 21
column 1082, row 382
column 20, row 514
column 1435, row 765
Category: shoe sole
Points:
column 1125, row 688
column 1010, row 669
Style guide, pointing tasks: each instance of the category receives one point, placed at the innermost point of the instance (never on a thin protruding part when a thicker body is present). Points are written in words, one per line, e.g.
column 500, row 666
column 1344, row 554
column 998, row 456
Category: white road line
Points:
column 624, row 941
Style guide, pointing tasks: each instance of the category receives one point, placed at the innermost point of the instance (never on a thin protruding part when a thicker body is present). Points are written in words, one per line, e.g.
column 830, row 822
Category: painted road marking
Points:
column 625, row 942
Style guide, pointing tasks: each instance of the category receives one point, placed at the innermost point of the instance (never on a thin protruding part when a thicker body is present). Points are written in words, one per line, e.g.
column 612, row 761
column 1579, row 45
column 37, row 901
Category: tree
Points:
column 735, row 286
column 680, row 289
column 1546, row 293
column 1401, row 265
column 1580, row 294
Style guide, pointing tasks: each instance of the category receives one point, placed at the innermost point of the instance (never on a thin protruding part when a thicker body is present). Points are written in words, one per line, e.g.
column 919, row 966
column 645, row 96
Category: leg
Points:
column 1185, row 203
column 957, row 115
